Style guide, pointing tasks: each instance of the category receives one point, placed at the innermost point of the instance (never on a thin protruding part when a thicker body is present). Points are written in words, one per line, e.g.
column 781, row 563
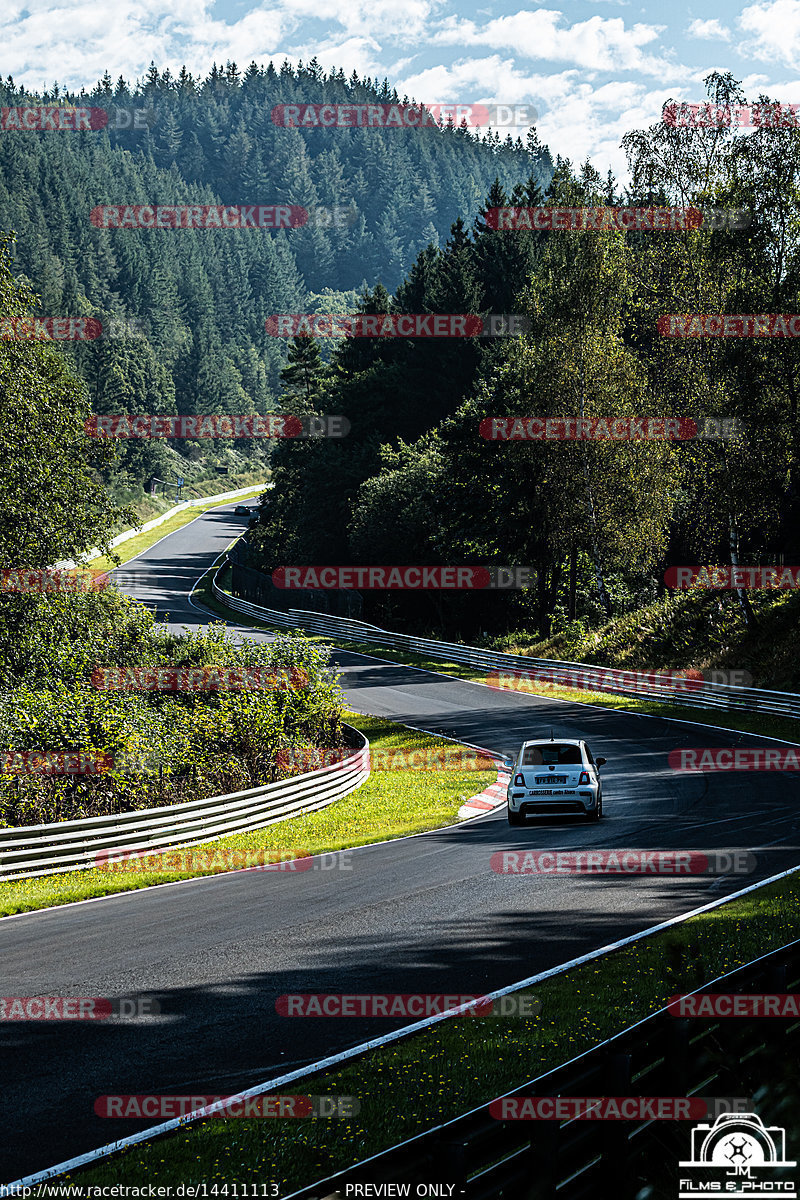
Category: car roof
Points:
column 554, row 742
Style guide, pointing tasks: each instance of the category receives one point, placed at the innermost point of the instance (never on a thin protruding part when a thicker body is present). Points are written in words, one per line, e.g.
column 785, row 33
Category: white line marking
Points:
column 384, row 1040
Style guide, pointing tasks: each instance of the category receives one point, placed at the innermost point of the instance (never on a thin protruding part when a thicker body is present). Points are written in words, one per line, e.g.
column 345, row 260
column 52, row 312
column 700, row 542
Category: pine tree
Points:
column 304, row 371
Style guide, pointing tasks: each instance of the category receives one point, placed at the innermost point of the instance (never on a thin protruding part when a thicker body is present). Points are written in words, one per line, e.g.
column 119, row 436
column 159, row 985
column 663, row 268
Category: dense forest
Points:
column 600, row 521
column 191, row 306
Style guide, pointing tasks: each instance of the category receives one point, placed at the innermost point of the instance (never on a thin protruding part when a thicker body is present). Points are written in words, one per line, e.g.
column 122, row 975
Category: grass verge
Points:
column 390, row 804
column 461, row 1063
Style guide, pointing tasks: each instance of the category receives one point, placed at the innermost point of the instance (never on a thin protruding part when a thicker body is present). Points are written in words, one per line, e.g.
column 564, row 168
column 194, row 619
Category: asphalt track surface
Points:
column 421, row 914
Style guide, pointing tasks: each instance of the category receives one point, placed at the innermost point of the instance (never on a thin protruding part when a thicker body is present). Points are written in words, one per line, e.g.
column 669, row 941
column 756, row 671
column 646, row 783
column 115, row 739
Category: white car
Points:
column 550, row 778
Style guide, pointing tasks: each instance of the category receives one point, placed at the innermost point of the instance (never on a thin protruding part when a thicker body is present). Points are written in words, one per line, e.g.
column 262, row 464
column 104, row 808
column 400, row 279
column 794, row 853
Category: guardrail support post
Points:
column 615, row 1164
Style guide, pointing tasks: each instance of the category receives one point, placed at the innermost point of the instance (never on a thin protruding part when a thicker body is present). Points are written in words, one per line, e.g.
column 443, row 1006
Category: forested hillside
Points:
column 200, row 297
column 599, row 520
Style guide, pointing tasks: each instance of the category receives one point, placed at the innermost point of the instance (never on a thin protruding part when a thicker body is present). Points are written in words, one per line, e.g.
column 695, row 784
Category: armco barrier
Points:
column 697, row 695
column 69, row 564
column 482, row 1157
column 31, row 850
column 778, row 971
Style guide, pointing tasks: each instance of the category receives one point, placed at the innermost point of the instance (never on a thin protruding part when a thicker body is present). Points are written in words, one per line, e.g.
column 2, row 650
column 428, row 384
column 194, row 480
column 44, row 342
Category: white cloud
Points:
column 74, row 41
column 69, row 43
column 709, row 30
column 576, row 119
column 601, row 43
column 358, row 54
column 774, row 29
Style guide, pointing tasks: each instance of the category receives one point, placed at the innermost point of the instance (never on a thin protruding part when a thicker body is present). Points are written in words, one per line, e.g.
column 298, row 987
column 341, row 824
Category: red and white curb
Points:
column 491, row 797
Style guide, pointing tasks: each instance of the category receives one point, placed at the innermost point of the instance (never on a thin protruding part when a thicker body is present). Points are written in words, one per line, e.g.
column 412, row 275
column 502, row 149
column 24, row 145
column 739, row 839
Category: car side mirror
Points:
column 599, row 762
column 508, row 763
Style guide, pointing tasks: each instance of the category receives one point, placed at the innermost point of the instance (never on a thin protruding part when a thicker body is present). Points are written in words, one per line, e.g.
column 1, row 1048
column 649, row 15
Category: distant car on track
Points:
column 555, row 778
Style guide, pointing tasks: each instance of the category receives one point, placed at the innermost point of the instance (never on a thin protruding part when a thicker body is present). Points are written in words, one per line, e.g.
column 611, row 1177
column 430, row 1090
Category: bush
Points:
column 163, row 747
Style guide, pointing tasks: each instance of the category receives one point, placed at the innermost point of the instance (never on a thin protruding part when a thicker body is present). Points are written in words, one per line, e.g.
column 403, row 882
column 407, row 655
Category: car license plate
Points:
column 551, row 779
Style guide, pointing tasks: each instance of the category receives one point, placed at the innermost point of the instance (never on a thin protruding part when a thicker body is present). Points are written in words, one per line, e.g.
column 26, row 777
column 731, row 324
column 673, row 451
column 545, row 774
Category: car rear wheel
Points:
column 514, row 818
column 597, row 811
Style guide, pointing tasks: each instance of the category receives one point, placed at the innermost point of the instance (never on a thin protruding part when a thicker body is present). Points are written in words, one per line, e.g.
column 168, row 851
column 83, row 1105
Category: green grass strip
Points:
column 461, row 1063
column 143, row 541
column 392, row 803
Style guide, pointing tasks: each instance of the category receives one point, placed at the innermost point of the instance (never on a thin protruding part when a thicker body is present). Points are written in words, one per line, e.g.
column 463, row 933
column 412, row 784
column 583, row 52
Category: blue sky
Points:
column 591, row 71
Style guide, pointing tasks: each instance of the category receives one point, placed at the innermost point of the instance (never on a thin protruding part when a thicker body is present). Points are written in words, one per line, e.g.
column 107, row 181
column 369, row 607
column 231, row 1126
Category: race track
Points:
column 420, row 914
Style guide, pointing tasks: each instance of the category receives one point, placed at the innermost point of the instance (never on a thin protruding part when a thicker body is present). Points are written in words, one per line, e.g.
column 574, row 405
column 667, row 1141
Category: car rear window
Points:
column 551, row 754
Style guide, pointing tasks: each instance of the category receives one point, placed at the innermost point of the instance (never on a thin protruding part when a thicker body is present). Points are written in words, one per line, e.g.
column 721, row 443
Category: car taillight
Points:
column 519, row 780
column 584, row 778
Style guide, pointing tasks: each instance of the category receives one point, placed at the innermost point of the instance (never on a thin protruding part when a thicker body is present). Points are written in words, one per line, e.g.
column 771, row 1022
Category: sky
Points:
column 585, row 73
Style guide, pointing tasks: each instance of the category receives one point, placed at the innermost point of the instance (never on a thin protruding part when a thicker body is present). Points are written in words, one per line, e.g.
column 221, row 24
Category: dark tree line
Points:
column 600, row 521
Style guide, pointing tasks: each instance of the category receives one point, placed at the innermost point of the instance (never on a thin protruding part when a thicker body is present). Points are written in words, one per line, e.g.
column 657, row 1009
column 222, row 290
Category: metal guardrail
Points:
column 690, row 693
column 485, row 1158
column 32, row 850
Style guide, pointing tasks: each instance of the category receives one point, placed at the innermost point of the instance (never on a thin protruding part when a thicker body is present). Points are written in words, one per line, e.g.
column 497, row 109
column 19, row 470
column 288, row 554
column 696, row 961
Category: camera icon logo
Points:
column 738, row 1141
